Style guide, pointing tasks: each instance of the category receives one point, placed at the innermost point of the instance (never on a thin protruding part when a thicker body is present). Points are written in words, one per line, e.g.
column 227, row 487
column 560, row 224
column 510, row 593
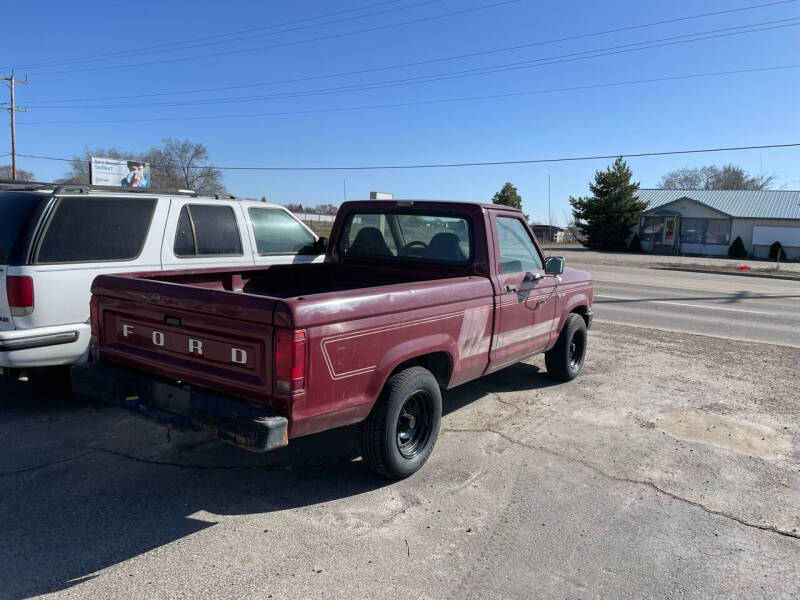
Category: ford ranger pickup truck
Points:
column 414, row 297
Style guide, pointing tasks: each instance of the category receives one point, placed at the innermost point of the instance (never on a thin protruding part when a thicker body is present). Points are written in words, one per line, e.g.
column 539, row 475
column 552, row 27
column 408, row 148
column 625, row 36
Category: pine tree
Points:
column 737, row 249
column 608, row 215
column 508, row 196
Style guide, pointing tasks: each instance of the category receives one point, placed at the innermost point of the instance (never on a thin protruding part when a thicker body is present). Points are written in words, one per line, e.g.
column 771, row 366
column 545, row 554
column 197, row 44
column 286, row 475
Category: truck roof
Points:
column 427, row 204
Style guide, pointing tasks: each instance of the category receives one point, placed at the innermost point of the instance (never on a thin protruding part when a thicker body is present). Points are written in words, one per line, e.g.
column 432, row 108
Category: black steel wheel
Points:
column 399, row 434
column 565, row 360
column 414, row 424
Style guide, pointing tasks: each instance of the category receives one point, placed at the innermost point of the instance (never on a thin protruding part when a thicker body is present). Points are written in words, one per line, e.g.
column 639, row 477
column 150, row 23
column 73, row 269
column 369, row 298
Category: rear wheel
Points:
column 565, row 360
column 401, row 431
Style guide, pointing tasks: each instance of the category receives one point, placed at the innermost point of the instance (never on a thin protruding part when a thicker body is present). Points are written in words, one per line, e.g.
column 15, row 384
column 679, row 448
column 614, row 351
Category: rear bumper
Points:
column 44, row 346
column 182, row 407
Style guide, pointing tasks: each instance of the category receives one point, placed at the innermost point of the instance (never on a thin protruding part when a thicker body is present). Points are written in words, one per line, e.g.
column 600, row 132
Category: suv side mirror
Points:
column 554, row 265
column 321, row 245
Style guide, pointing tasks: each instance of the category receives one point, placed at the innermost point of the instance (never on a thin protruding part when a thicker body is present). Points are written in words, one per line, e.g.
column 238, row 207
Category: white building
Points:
column 707, row 221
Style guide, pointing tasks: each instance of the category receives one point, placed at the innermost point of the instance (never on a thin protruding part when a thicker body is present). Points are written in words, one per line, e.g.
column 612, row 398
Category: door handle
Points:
column 511, row 288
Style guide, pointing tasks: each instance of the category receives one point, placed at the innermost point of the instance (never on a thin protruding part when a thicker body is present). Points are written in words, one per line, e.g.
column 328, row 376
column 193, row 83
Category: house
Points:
column 707, row 221
column 548, row 234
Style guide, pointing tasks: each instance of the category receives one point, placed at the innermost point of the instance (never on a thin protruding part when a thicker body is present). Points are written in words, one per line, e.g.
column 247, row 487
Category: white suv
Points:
column 55, row 240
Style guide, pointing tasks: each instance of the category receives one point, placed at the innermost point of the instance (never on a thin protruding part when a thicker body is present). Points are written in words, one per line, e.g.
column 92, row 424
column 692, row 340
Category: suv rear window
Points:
column 204, row 229
column 430, row 238
column 91, row 229
column 16, row 210
column 277, row 232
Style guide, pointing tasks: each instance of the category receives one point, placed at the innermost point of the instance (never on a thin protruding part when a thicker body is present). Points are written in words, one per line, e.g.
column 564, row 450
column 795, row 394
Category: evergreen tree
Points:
column 508, row 196
column 737, row 249
column 608, row 215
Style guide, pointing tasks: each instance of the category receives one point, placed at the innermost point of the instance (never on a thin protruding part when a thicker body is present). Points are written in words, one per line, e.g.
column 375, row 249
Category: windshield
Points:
column 16, row 210
column 433, row 238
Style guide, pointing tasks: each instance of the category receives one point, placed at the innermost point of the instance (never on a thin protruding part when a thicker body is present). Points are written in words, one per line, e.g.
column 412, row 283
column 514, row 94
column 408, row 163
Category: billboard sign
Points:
column 119, row 173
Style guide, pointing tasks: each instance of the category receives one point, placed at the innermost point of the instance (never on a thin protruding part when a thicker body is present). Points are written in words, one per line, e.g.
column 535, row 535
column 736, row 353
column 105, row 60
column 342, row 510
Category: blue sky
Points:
column 730, row 110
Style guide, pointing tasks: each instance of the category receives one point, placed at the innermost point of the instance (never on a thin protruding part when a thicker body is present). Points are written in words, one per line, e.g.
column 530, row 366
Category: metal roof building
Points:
column 707, row 221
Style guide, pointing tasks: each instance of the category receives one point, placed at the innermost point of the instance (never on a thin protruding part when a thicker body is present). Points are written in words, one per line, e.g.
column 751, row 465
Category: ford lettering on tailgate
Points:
column 210, row 348
column 193, row 345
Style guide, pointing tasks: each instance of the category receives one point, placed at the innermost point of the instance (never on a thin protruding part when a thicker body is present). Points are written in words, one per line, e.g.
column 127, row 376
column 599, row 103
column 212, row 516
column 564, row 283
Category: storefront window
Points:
column 652, row 229
column 718, row 232
column 693, row 231
column 705, row 231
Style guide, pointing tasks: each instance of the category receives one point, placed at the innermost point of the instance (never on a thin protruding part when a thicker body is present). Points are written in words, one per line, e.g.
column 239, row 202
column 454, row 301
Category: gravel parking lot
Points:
column 668, row 469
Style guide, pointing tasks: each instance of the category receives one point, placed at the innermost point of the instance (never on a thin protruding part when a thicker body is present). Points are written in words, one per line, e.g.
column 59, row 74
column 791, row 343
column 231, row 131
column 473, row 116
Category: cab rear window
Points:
column 96, row 229
column 432, row 238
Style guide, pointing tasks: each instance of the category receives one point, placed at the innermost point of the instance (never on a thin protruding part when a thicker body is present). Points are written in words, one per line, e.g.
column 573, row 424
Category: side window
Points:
column 91, row 229
column 207, row 230
column 277, row 232
column 517, row 252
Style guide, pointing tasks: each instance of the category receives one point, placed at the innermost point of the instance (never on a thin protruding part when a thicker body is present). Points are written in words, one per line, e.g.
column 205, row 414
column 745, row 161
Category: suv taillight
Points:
column 19, row 289
column 290, row 361
column 94, row 320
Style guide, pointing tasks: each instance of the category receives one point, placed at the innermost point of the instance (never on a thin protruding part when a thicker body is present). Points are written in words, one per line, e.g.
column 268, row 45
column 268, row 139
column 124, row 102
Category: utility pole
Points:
column 549, row 214
column 12, row 109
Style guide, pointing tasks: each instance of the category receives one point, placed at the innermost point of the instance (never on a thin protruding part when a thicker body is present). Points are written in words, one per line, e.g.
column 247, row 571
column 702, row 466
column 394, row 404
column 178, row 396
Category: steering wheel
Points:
column 406, row 250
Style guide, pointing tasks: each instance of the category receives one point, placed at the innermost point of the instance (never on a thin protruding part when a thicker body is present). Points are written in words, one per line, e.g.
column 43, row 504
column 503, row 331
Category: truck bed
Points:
column 301, row 280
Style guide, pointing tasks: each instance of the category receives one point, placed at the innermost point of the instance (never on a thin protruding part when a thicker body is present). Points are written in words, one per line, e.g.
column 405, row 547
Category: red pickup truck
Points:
column 413, row 297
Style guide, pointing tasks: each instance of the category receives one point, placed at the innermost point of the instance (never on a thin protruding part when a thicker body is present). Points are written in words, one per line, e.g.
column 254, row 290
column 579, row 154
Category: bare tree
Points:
column 22, row 175
column 175, row 164
column 727, row 177
column 184, row 164
column 79, row 166
column 572, row 226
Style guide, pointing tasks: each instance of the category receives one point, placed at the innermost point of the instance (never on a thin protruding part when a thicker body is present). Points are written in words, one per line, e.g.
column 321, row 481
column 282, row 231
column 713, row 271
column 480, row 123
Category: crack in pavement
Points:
column 768, row 528
column 44, row 466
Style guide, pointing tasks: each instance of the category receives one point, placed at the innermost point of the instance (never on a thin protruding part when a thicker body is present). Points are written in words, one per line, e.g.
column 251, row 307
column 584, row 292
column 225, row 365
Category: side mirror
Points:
column 554, row 265
column 321, row 245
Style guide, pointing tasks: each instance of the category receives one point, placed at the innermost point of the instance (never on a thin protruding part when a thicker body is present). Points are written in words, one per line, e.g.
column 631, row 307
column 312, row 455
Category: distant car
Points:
column 54, row 240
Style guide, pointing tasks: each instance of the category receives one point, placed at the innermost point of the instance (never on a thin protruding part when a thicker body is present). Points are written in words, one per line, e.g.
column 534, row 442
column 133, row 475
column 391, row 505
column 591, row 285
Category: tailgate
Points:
column 199, row 336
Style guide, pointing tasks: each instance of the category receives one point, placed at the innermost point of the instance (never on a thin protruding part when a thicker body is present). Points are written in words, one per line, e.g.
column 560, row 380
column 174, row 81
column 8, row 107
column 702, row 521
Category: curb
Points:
column 735, row 273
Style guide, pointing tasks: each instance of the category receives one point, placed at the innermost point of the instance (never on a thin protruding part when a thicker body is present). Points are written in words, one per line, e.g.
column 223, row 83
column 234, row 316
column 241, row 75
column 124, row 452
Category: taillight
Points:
column 290, row 361
column 19, row 289
column 94, row 320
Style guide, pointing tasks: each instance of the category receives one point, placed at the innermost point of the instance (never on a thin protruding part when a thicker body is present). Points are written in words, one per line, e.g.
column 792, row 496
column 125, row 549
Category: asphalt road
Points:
column 735, row 307
column 668, row 469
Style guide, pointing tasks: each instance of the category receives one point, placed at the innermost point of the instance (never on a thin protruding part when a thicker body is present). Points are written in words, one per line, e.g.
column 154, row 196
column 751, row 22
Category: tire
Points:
column 565, row 360
column 399, row 434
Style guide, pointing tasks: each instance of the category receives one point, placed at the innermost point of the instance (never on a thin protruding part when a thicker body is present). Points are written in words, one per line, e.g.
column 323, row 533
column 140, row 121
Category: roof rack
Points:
column 84, row 188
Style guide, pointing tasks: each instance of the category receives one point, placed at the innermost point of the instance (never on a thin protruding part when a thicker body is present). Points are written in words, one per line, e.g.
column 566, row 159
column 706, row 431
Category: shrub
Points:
column 736, row 249
column 635, row 245
column 777, row 252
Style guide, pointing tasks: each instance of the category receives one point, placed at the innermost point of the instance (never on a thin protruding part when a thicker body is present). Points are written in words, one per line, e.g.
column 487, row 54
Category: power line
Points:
column 478, row 71
column 265, row 34
column 423, row 62
column 456, row 165
column 123, row 53
column 284, row 44
column 426, row 102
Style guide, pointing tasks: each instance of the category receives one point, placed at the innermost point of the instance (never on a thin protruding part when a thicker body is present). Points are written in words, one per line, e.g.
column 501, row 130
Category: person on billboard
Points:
column 137, row 176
